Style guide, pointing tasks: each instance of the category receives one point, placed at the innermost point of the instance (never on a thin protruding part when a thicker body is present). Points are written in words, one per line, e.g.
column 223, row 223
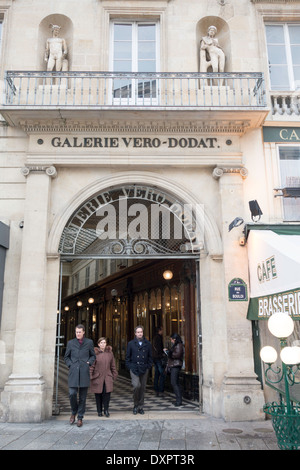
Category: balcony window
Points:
column 134, row 49
column 283, row 44
column 289, row 159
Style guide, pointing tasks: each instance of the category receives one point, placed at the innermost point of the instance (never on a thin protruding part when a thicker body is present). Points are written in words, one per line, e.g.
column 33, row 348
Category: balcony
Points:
column 46, row 95
column 285, row 105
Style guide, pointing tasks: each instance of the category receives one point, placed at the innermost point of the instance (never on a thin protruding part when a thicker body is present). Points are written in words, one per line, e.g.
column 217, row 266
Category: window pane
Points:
column 289, row 153
column 279, row 77
column 146, row 32
column 146, row 50
column 122, row 32
column 277, row 55
column 295, row 54
column 147, row 89
column 122, row 66
column 297, row 76
column 123, row 50
column 122, row 88
column 275, row 34
column 294, row 32
column 290, row 176
column 146, row 66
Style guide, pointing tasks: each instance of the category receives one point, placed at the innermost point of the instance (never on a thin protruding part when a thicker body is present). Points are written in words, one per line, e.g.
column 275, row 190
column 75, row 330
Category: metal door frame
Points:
column 59, row 344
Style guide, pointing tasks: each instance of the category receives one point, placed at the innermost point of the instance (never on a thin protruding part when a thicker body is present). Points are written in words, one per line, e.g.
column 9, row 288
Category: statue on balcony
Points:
column 56, row 51
column 211, row 54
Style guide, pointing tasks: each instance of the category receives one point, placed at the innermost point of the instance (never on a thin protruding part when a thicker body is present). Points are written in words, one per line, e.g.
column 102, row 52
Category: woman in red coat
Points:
column 103, row 374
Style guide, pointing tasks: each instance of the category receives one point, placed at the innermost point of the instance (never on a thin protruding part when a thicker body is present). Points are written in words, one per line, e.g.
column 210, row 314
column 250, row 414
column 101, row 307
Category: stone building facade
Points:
column 105, row 95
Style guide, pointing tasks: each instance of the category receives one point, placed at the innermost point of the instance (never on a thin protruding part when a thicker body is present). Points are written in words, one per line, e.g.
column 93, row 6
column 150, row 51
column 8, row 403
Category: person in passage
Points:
column 103, row 373
column 158, row 356
column 174, row 364
column 80, row 355
column 138, row 362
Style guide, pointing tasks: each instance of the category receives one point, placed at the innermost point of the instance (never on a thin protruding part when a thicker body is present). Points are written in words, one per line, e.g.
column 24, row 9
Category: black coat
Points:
column 79, row 358
column 158, row 347
column 139, row 358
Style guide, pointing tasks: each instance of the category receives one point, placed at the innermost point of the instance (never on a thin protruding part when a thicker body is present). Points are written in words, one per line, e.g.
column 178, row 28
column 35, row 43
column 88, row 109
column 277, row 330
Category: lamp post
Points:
column 285, row 416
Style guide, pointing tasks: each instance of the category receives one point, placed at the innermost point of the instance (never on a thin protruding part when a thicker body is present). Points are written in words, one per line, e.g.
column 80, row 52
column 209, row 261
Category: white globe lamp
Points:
column 268, row 354
column 290, row 355
column 281, row 325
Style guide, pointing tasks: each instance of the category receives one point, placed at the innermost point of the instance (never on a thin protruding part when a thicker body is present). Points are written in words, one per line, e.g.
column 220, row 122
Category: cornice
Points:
column 170, row 127
column 275, row 1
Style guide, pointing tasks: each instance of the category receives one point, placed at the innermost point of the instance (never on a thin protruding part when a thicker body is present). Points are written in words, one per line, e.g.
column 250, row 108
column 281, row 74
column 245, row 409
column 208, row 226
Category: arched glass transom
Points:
column 133, row 221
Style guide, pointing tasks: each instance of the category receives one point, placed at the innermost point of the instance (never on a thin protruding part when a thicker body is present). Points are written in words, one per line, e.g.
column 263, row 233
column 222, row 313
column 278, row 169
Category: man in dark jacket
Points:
column 158, row 359
column 139, row 361
column 80, row 355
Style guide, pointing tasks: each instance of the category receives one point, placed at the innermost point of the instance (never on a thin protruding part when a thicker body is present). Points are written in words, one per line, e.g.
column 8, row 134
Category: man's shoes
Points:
column 135, row 410
column 141, row 411
column 177, row 404
column 72, row 419
column 79, row 423
column 100, row 414
column 106, row 413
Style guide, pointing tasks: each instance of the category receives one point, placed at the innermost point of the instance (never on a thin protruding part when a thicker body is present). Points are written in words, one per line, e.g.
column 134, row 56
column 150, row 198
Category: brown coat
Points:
column 175, row 356
column 103, row 370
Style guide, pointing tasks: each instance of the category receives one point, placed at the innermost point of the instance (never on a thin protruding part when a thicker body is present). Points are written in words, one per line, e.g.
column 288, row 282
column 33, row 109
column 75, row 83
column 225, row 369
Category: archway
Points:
column 212, row 243
column 132, row 220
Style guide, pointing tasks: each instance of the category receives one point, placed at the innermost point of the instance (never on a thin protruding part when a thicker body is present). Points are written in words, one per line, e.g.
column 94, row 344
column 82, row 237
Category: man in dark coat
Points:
column 139, row 361
column 80, row 355
column 158, row 359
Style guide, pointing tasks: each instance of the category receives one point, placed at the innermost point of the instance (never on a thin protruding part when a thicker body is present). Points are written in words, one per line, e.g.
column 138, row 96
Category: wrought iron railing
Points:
column 112, row 89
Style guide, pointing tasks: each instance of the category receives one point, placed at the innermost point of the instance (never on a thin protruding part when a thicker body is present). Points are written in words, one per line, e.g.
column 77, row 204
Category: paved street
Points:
column 186, row 431
column 163, row 427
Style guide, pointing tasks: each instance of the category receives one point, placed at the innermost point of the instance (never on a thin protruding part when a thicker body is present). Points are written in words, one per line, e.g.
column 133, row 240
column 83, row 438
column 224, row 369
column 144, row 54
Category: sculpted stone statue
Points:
column 211, row 54
column 56, row 51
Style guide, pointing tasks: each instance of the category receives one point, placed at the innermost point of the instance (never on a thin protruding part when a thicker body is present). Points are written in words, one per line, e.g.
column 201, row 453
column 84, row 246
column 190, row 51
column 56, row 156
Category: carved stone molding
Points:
column 218, row 171
column 146, row 126
column 49, row 170
column 275, row 1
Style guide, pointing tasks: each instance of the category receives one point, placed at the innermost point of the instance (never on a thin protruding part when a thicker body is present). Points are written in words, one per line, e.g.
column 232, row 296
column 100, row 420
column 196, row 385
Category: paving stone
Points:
column 148, row 432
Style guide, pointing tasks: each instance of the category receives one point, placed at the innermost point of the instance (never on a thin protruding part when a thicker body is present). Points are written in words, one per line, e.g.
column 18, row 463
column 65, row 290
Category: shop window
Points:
column 152, row 303
column 75, row 283
column 289, row 160
column 283, row 45
column 167, row 311
column 87, row 276
column 134, row 49
column 140, row 306
column 110, row 311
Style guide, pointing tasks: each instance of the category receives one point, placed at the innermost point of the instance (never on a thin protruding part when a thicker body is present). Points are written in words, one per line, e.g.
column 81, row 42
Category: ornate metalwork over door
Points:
column 133, row 221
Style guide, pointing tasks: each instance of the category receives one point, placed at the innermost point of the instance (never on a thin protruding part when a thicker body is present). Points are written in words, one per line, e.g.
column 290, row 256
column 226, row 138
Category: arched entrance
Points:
column 117, row 237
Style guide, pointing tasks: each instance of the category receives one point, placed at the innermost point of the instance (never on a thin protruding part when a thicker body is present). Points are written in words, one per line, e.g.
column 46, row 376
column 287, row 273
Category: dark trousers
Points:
column 159, row 376
column 78, row 407
column 139, row 385
column 175, row 383
column 102, row 399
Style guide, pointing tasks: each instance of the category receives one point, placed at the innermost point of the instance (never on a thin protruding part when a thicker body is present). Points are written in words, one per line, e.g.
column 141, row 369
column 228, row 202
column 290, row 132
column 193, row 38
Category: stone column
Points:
column 23, row 395
column 242, row 397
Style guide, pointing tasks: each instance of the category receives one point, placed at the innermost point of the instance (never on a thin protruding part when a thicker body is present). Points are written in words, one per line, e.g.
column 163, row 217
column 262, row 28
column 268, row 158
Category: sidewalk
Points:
column 175, row 433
